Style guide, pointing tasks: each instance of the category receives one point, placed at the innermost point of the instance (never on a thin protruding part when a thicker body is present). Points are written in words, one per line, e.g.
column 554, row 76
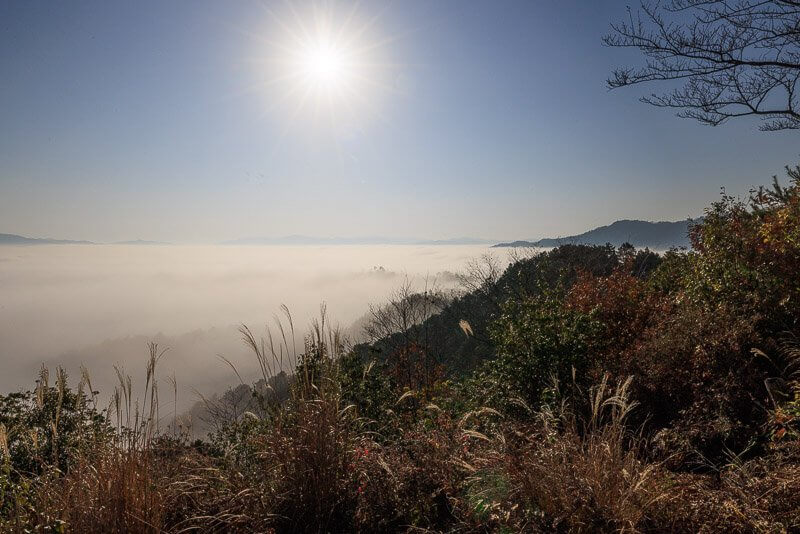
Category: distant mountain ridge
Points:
column 369, row 240
column 655, row 235
column 13, row 239
column 141, row 242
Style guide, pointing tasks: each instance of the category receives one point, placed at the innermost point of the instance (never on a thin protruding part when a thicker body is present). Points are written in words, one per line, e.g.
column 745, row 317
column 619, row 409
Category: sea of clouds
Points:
column 99, row 305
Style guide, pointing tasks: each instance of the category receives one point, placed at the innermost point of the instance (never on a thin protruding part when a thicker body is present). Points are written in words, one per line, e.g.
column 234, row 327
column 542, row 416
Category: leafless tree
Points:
column 400, row 326
column 480, row 277
column 728, row 58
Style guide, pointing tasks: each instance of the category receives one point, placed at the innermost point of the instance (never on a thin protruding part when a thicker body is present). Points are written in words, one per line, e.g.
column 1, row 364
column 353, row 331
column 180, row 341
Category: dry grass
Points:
column 308, row 465
column 585, row 475
column 762, row 495
column 116, row 485
column 573, row 468
column 299, row 475
column 113, row 491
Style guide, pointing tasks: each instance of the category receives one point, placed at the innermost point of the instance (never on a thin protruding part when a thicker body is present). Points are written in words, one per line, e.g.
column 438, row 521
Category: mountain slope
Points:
column 655, row 235
column 442, row 336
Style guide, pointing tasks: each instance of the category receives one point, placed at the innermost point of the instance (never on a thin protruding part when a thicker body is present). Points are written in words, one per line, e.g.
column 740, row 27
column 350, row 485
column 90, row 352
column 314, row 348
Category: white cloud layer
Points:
column 100, row 305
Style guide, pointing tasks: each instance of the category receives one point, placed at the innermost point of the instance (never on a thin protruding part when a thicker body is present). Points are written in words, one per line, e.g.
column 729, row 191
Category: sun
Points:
column 325, row 62
column 326, row 65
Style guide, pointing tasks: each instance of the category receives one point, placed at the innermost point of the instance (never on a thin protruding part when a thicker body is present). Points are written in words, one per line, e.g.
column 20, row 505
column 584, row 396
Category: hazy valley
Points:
column 99, row 305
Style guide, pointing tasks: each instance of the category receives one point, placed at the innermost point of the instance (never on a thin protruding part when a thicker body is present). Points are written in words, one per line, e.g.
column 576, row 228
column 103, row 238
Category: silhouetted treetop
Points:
column 733, row 58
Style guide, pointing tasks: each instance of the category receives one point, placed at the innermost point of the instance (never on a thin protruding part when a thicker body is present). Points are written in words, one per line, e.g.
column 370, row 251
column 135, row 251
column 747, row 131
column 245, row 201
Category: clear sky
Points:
column 185, row 121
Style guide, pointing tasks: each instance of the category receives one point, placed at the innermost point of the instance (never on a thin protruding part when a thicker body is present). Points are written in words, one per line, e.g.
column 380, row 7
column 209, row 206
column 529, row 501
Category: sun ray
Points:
column 328, row 59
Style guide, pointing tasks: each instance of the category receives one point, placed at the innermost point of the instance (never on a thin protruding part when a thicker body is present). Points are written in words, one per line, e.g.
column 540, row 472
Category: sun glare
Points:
column 325, row 65
column 325, row 62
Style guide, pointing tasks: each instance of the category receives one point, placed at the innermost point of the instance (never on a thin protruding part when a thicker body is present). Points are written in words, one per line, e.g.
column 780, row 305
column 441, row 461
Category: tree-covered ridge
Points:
column 641, row 234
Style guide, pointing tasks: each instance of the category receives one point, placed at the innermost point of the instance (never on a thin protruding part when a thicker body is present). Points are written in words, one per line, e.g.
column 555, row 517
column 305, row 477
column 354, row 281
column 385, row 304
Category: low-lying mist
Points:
column 99, row 306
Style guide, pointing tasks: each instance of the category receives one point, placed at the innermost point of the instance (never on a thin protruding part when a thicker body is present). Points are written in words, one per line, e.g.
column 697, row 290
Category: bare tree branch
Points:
column 734, row 58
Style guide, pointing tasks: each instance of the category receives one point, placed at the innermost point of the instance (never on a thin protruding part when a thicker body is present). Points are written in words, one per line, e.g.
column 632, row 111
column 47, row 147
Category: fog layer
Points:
column 100, row 305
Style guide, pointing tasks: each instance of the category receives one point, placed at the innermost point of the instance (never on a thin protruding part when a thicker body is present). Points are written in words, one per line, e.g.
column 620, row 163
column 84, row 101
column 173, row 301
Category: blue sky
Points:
column 156, row 120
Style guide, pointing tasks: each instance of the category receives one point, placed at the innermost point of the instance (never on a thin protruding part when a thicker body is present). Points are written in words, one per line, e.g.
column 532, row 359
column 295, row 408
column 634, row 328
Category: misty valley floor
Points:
column 99, row 305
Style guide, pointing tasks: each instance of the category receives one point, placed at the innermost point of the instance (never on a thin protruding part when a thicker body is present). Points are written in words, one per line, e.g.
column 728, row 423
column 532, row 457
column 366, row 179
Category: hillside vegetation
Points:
column 584, row 389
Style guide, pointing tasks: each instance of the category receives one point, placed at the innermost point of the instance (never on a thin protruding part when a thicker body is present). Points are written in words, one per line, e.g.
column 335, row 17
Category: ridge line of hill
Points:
column 656, row 235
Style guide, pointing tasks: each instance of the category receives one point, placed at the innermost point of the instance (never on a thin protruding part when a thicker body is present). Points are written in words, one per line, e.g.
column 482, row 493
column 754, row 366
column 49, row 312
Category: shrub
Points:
column 51, row 426
column 366, row 386
column 536, row 338
column 624, row 307
column 748, row 256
